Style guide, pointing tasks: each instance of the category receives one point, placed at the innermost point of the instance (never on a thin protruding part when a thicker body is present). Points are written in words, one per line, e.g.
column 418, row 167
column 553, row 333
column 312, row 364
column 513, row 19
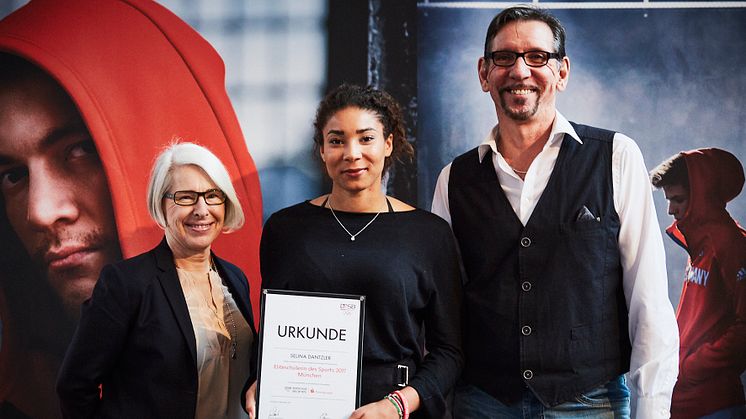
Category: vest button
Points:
column 526, row 330
column 526, row 286
column 528, row 374
column 525, row 242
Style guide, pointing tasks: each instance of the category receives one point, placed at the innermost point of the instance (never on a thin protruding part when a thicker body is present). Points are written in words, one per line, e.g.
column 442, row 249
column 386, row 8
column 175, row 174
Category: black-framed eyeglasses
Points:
column 187, row 198
column 531, row 58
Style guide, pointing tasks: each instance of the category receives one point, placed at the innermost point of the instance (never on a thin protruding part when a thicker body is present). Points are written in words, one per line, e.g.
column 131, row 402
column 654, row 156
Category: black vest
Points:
column 543, row 304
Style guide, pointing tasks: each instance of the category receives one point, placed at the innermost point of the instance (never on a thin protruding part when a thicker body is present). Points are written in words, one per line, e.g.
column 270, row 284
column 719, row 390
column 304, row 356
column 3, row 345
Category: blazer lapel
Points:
column 169, row 280
column 239, row 288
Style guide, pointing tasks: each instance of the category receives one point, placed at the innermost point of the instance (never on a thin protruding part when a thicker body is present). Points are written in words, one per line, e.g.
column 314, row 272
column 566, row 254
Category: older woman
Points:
column 168, row 333
column 357, row 240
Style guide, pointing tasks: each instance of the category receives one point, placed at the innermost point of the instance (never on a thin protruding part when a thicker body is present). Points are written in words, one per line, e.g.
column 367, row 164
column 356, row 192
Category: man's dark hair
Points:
column 524, row 13
column 385, row 107
column 672, row 171
column 14, row 68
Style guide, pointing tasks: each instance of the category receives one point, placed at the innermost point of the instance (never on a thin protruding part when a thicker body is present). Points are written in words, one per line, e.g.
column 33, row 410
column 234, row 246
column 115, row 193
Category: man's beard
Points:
column 62, row 282
column 518, row 116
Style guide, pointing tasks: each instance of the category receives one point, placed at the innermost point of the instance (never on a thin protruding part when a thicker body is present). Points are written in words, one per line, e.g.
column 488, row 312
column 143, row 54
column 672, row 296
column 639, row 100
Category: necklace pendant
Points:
column 352, row 236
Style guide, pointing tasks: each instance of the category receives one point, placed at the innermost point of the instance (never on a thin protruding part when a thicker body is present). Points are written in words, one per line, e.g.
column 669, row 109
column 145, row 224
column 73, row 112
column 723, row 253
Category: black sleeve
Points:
column 96, row 344
column 437, row 374
column 271, row 253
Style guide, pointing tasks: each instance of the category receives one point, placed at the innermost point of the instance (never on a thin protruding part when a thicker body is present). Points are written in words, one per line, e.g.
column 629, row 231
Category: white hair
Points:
column 181, row 154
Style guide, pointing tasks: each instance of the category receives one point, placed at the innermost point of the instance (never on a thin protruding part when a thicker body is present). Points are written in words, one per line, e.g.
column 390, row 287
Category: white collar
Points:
column 560, row 127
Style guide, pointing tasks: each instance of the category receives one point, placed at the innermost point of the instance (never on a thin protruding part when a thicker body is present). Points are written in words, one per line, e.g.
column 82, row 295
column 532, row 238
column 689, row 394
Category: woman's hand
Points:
column 382, row 409
column 251, row 401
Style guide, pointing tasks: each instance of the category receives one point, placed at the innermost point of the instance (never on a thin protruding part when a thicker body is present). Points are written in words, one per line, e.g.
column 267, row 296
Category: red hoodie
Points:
column 139, row 76
column 712, row 310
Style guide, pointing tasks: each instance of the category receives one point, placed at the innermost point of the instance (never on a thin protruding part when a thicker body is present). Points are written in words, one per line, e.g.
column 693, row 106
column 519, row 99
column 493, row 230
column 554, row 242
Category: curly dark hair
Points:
column 385, row 107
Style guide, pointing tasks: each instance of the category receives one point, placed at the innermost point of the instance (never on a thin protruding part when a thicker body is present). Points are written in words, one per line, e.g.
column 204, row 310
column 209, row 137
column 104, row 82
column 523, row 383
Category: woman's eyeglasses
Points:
column 187, row 198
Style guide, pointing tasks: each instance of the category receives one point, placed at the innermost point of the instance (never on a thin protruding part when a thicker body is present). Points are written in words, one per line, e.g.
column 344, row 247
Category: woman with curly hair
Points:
column 357, row 240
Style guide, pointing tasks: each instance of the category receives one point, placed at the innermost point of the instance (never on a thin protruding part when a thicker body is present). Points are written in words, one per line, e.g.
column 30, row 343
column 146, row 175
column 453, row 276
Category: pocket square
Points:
column 586, row 215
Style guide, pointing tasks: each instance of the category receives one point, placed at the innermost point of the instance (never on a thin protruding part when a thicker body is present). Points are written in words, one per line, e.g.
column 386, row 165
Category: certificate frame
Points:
column 299, row 376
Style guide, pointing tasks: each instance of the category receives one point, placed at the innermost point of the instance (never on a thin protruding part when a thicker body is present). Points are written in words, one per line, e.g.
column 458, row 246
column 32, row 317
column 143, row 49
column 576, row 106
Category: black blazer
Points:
column 135, row 337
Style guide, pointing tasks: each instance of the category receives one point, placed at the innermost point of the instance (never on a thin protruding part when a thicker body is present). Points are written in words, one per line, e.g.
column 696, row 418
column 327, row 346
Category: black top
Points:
column 406, row 265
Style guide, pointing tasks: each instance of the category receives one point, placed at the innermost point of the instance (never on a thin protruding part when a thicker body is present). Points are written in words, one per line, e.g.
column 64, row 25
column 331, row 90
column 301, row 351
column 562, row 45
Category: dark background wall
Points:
column 387, row 59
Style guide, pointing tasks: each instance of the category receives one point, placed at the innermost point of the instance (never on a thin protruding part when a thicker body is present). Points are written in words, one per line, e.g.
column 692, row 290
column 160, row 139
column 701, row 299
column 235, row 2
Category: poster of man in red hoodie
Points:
column 90, row 92
column 712, row 311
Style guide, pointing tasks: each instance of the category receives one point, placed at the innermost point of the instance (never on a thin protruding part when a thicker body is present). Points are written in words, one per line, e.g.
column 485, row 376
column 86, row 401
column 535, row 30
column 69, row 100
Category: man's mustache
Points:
column 55, row 241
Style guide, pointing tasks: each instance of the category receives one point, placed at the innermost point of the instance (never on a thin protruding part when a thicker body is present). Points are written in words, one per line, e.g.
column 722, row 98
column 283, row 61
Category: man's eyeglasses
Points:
column 187, row 198
column 531, row 58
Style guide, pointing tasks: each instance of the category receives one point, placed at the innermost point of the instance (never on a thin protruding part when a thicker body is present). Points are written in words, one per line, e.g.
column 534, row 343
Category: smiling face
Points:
column 354, row 149
column 191, row 229
column 54, row 188
column 523, row 93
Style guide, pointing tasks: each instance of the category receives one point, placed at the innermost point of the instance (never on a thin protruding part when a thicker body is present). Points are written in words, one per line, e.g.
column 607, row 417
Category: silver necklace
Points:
column 520, row 172
column 497, row 145
column 352, row 236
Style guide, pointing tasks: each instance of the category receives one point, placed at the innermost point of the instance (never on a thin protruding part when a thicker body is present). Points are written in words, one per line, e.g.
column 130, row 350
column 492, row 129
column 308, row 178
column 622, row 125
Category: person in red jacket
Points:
column 90, row 92
column 712, row 312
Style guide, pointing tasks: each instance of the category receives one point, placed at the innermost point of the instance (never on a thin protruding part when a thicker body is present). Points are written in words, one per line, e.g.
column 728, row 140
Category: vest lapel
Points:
column 547, row 199
column 489, row 187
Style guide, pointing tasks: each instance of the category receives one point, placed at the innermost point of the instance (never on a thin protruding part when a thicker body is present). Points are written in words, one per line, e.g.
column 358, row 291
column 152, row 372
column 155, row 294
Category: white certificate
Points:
column 310, row 355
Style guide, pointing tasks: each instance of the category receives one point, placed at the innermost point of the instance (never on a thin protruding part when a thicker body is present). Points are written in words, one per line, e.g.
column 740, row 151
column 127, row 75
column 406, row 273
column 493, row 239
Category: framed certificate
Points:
column 310, row 355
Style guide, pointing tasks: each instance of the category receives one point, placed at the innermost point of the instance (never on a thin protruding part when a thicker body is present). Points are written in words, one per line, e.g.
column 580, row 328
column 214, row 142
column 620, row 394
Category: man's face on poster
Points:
column 54, row 187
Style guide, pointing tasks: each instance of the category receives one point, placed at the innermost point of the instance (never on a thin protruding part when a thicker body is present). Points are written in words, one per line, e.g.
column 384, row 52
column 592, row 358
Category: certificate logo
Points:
column 347, row 308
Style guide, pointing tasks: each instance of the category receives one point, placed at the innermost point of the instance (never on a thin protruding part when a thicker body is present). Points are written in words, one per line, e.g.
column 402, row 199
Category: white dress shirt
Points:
column 652, row 325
